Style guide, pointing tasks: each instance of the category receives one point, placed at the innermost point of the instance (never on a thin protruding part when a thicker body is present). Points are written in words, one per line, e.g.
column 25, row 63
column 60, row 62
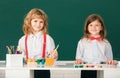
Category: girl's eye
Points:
column 97, row 25
column 90, row 25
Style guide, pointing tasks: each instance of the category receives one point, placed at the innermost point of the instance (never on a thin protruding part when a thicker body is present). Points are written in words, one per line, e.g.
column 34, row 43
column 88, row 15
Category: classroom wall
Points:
column 66, row 20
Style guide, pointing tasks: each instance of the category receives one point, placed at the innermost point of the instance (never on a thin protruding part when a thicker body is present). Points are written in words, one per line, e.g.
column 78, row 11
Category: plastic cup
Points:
column 49, row 61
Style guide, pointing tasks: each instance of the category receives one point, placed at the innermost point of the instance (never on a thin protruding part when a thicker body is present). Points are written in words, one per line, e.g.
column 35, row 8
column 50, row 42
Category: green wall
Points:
column 66, row 20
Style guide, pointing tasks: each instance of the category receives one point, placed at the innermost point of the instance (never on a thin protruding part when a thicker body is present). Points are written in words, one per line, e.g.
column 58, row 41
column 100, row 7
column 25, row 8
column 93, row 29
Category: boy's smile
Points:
column 37, row 24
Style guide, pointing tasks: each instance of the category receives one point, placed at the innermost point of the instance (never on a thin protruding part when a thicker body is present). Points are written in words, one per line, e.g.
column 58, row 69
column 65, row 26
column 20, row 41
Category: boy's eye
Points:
column 35, row 20
column 41, row 21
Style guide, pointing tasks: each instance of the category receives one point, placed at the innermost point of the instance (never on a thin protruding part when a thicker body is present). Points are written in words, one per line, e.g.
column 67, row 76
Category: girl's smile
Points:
column 94, row 28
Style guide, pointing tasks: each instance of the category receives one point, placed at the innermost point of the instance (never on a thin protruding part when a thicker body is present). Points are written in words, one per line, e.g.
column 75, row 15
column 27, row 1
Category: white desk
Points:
column 62, row 69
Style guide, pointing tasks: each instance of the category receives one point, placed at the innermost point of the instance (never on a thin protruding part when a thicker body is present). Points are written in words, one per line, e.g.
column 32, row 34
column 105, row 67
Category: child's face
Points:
column 94, row 28
column 37, row 24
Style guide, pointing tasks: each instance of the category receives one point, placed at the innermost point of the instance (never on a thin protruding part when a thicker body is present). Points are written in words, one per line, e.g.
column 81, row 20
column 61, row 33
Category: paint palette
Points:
column 87, row 66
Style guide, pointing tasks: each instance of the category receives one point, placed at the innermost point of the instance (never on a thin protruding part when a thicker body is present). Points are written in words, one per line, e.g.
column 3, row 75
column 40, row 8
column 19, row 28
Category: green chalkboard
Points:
column 66, row 20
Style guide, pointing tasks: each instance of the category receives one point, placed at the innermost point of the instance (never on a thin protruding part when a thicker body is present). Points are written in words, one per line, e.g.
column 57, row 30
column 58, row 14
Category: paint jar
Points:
column 40, row 62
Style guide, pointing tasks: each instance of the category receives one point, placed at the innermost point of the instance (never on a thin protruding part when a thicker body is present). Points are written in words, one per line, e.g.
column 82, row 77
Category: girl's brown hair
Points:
column 90, row 19
column 34, row 13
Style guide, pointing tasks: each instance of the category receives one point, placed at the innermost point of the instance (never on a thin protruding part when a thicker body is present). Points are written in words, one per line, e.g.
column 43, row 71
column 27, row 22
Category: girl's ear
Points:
column 101, row 28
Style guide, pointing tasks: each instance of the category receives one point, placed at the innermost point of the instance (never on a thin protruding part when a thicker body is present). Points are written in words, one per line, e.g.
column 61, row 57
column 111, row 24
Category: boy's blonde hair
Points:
column 90, row 19
column 34, row 13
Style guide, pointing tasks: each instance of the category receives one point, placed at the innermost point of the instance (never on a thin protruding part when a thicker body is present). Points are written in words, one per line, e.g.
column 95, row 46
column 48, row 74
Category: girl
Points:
column 36, row 43
column 94, row 48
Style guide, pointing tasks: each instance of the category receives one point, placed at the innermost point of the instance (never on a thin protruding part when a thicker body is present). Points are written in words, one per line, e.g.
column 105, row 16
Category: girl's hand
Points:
column 78, row 61
column 54, row 54
column 111, row 62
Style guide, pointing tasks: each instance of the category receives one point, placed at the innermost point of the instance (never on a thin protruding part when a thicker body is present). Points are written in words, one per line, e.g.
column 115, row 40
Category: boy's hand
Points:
column 54, row 54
